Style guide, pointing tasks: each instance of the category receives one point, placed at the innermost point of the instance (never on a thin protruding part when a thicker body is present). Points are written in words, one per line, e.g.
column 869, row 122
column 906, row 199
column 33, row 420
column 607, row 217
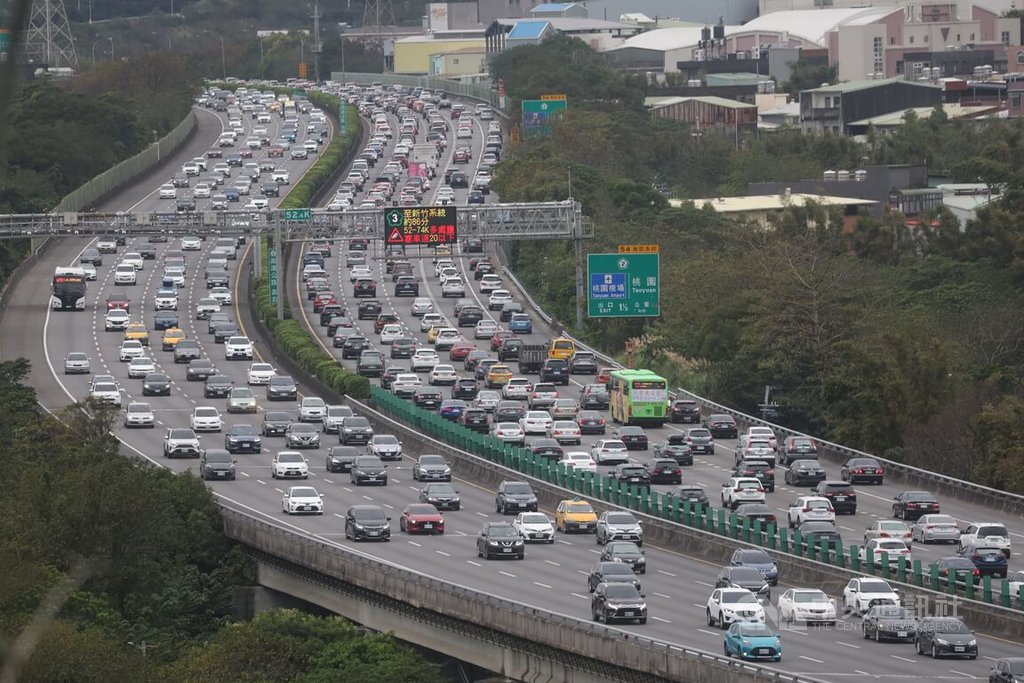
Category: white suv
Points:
column 742, row 490
column 238, row 348
column 811, row 509
column 730, row 605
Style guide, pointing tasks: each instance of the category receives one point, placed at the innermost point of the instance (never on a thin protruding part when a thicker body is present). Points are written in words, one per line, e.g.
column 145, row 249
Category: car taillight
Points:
column 879, row 471
column 884, row 534
column 760, row 490
column 911, row 505
column 858, row 471
column 977, row 572
column 737, row 490
column 930, row 526
column 807, row 509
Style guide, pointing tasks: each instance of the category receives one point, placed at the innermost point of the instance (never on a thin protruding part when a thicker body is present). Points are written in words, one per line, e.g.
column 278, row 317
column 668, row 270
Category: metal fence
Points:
column 108, row 181
column 474, row 91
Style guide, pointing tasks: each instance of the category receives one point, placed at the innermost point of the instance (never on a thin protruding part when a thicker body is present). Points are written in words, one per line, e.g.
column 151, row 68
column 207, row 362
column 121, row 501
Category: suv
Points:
column 500, row 539
column 761, row 470
column 619, row 526
column 340, row 458
column 555, row 370
column 840, row 493
column 515, row 496
column 684, row 410
column 632, row 474
column 797, row 448
column 617, row 602
column 594, row 396
column 181, row 443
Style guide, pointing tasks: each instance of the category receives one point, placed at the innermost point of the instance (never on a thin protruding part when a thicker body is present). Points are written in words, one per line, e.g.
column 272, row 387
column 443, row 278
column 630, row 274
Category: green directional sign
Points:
column 623, row 285
column 298, row 214
column 272, row 275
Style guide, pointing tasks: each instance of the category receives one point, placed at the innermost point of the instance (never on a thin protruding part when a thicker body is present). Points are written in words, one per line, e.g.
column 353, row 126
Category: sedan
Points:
column 508, row 432
column 913, row 504
column 534, row 526
column 578, row 460
column 421, row 518
column 935, row 529
column 807, row 606
column 241, row 400
column 565, row 431
column 260, row 373
column 609, row 452
column 591, row 422
column 890, row 622
column 444, row 375
column 139, row 414
column 77, row 363
column 535, row 422
column 887, row 528
column 302, row 500
column 140, row 367
column 634, row 437
column 206, row 419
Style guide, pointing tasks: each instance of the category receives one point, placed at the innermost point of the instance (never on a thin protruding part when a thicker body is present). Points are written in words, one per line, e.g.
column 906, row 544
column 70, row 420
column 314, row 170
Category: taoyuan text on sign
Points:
column 426, row 225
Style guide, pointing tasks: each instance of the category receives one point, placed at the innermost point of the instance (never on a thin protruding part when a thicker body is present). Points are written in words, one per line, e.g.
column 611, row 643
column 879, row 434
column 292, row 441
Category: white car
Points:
column 730, row 605
column 139, row 414
column 992, row 534
column 421, row 306
column 238, row 348
column 357, row 272
column 125, row 274
column 90, row 270
column 221, row 294
column 442, row 265
column 105, row 392
column 190, row 168
column 807, row 606
column 443, row 374
column 191, row 243
column 609, row 452
column 453, row 287
column 140, row 366
column 222, row 169
column 131, row 348
column 811, row 509
column 424, row 360
column 535, row 422
column 280, row 176
column 389, row 333
column 116, row 319
column 289, row 465
column 888, row 528
column 333, row 417
column 206, row 419
column 312, row 409
column 302, row 499
column 446, row 338
column 202, row 191
column 579, row 460
column 485, row 329
column 517, row 389
column 893, row 546
column 565, row 432
column 862, row 594
column 260, row 373
column 166, row 300
column 487, row 399
column 168, row 191
column 534, row 527
column 742, row 490
column 175, row 275
column 509, row 432
column 489, row 283
column 431, row 320
column 405, row 384
column 498, row 299
column 763, row 434
column 133, row 259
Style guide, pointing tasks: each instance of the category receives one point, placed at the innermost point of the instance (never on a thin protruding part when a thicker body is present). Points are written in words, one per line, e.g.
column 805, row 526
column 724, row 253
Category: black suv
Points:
column 500, row 539
column 841, row 493
column 594, row 396
column 632, row 474
column 759, row 469
column 367, row 523
column 475, row 419
column 469, row 316
column 354, row 429
column 340, row 458
column 797, row 448
column 684, row 410
column 406, row 285
column 611, row 572
column 364, row 287
column 368, row 469
column 582, row 363
column 354, row 346
column 509, row 349
column 618, row 602
column 515, row 496
column 369, row 310
column 555, row 370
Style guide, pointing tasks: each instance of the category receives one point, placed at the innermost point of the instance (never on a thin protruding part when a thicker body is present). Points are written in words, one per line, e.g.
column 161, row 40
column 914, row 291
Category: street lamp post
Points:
column 223, row 60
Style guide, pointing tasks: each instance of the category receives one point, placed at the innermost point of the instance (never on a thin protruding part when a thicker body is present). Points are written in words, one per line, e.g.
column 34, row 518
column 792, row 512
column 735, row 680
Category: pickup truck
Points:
column 531, row 358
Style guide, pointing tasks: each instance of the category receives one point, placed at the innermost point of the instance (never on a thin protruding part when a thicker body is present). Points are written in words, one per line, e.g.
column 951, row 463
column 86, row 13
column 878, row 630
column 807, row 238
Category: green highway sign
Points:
column 298, row 214
column 538, row 115
column 623, row 285
column 272, row 275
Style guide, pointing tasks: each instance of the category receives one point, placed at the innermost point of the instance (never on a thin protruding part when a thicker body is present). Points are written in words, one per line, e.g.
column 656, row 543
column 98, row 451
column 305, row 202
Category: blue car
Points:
column 990, row 561
column 452, row 409
column 759, row 560
column 520, row 324
column 748, row 640
column 232, row 194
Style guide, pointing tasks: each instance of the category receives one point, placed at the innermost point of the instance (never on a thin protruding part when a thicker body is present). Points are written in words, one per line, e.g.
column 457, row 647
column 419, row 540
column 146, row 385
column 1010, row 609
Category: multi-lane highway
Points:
column 552, row 577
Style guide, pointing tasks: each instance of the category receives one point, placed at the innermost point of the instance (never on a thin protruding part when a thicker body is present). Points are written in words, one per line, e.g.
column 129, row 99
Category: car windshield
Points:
column 371, row 516
column 535, row 518
column 622, row 590
column 77, row 356
column 503, row 531
column 441, row 489
column 754, row 557
column 302, row 427
column 518, row 489
column 809, row 596
column 245, row 430
column 432, row 460
column 579, row 508
column 138, row 408
column 738, row 597
column 991, row 530
column 206, row 412
column 386, row 439
column 755, row 630
column 357, row 422
column 182, row 434
column 874, row 587
column 242, row 392
column 218, row 456
column 289, row 457
column 421, row 509
column 623, row 549
column 746, row 574
column 304, row 492
column 612, row 568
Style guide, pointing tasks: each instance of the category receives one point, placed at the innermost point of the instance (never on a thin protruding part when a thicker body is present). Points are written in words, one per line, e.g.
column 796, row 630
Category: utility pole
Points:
column 577, row 230
column 316, row 41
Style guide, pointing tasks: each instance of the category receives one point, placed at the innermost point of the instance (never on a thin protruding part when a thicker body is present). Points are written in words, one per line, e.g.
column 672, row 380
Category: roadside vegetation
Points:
column 903, row 343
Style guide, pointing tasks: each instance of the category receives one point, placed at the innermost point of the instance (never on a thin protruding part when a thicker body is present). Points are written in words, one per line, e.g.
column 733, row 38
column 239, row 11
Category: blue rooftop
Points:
column 553, row 7
column 527, row 30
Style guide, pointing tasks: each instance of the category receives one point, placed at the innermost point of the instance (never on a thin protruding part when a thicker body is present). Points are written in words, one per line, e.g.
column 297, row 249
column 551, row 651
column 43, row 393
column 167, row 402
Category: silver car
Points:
column 935, row 529
column 139, row 414
column 77, row 363
column 241, row 400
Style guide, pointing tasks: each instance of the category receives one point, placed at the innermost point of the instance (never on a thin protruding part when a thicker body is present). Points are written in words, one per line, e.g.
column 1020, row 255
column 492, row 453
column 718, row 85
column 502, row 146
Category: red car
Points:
column 382, row 320
column 604, row 375
column 421, row 518
column 499, row 337
column 245, row 153
column 118, row 300
column 460, row 350
column 323, row 299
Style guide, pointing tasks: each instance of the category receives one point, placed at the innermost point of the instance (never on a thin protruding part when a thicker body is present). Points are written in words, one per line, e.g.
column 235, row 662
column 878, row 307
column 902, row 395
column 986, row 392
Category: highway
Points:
column 551, row 577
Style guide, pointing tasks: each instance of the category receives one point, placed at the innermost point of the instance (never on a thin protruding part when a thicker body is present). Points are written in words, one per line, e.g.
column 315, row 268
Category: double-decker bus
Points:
column 68, row 289
column 638, row 397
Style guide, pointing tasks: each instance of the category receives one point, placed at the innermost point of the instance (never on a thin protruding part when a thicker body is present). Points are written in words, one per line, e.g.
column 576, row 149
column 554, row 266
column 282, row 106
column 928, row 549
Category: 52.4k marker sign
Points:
column 427, row 225
column 623, row 285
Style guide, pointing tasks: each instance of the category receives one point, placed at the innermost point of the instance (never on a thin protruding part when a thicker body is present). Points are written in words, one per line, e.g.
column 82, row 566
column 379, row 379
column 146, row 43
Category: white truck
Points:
column 426, row 154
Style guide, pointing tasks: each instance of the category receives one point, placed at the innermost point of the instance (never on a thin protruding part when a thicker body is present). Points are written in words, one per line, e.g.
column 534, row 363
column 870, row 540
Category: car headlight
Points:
column 941, row 641
column 492, row 543
column 447, row 470
column 359, row 526
column 972, row 643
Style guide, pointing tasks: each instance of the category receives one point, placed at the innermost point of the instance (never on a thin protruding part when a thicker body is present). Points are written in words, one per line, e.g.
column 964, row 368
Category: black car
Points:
column 340, row 458
column 441, row 495
column 216, row 463
column 945, row 637
column 241, row 438
column 722, row 426
column 867, row 470
column 458, row 179
column 960, row 568
column 680, row 452
column 515, row 496
column 270, row 190
column 684, row 410
column 165, row 320
column 156, row 384
column 406, row 285
column 370, row 364
column 632, row 474
column 914, row 504
column 468, row 316
column 618, row 602
column 368, row 469
column 547, row 448
column 217, row 278
column 557, row 371
column 611, row 572
column 282, row 388
column 510, row 349
column 1007, row 670
column 499, row 539
column 508, row 309
column 665, row 470
column 388, row 376
column 364, row 287
column 842, row 495
column 582, row 363
column 224, row 331
column 797, row 448
column 634, row 437
column 889, row 622
column 369, row 309
column 329, row 313
column 200, row 369
column 146, row 250
column 626, row 552
column 367, row 523
column 428, row 398
column 354, row 346
column 275, row 423
column 813, row 533
column 805, row 473
column 591, row 422
column 465, row 388
column 744, row 577
column 475, row 419
column 759, row 469
column 509, row 411
column 339, row 323
column 756, row 512
column 403, row 347
column 691, row 493
column 354, row 429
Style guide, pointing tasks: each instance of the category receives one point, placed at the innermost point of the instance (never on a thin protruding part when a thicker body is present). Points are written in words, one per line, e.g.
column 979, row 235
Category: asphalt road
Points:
column 551, row 578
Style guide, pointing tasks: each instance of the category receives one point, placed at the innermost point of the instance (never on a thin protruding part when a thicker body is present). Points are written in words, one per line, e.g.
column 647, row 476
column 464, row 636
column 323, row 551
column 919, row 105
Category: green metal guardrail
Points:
column 703, row 517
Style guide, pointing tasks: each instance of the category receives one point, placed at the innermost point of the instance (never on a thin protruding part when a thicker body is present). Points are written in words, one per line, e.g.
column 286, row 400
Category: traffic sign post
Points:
column 538, row 115
column 272, row 275
column 298, row 214
column 623, row 285
column 420, row 225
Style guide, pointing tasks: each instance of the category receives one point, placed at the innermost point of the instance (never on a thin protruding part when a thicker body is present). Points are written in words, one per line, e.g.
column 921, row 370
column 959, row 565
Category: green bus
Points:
column 638, row 397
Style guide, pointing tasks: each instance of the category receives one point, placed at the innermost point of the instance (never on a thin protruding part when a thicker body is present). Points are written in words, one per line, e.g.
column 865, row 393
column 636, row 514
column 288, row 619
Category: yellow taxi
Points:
column 138, row 332
column 561, row 348
column 172, row 335
column 498, row 375
column 575, row 516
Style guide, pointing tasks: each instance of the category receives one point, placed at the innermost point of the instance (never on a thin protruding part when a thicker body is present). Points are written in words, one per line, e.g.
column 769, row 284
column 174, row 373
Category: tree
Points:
column 806, row 74
column 376, row 658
